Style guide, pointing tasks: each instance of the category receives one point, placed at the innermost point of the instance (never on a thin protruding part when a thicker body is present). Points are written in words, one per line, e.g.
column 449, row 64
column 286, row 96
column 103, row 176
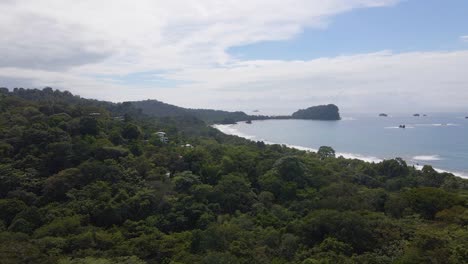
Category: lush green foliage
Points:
column 84, row 181
column 160, row 109
column 320, row 112
column 326, row 152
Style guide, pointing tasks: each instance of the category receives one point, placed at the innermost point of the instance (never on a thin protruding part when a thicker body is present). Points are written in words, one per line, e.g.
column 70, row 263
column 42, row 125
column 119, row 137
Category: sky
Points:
column 272, row 55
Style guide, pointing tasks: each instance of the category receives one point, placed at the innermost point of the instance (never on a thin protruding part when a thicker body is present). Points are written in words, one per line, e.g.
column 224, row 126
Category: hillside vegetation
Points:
column 160, row 109
column 320, row 112
column 84, row 181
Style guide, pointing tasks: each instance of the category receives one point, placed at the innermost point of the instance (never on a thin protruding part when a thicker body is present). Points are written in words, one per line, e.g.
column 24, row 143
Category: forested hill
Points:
column 91, row 182
column 160, row 109
column 320, row 112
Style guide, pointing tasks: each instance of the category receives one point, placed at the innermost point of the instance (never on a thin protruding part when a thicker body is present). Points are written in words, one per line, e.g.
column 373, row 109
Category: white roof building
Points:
column 161, row 134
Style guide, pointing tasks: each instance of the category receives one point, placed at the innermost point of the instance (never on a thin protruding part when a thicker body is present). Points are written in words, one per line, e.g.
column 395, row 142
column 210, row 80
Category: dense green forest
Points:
column 159, row 109
column 319, row 112
column 84, row 181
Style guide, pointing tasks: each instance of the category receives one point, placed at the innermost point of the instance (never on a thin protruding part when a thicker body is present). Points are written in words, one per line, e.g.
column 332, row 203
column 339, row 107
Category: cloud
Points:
column 464, row 38
column 32, row 41
column 90, row 47
column 382, row 81
column 121, row 37
column 427, row 81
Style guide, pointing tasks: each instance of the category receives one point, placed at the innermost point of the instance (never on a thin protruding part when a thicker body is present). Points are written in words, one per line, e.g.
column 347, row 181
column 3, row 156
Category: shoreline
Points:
column 229, row 130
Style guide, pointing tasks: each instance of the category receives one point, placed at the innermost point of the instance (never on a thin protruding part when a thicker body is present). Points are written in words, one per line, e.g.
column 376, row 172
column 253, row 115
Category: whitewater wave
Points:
column 230, row 130
column 436, row 125
column 369, row 159
column 427, row 157
column 342, row 154
column 459, row 174
column 425, row 125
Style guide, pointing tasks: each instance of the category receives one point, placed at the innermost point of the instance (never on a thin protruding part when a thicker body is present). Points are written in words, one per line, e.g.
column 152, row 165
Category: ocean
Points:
column 439, row 140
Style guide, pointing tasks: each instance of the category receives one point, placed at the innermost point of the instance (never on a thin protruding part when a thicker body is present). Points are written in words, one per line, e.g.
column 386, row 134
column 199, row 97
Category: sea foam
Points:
column 436, row 125
column 427, row 157
column 230, row 130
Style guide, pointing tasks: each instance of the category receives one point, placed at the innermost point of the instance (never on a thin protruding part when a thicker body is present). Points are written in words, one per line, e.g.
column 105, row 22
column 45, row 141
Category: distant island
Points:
column 383, row 115
column 320, row 112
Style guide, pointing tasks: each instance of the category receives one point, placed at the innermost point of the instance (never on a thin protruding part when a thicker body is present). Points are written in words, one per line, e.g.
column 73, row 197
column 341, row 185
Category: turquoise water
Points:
column 440, row 140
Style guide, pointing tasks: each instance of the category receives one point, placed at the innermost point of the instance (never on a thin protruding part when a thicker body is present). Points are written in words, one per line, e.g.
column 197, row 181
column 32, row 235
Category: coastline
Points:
column 229, row 130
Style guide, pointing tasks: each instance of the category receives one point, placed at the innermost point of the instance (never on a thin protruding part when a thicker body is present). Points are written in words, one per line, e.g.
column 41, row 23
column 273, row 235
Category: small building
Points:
column 94, row 114
column 162, row 136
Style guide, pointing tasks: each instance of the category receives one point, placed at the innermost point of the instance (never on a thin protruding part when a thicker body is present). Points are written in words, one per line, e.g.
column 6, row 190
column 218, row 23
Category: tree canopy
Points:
column 86, row 181
column 320, row 112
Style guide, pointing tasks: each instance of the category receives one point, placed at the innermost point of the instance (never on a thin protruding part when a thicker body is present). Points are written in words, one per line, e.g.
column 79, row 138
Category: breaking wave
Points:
column 427, row 157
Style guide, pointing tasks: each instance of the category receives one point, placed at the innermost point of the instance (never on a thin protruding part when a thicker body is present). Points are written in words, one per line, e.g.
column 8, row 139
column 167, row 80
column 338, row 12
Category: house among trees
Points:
column 162, row 137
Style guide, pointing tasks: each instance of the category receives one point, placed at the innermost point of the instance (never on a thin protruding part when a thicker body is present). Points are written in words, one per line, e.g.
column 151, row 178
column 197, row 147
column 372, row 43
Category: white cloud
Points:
column 427, row 81
column 128, row 36
column 82, row 45
column 464, row 38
